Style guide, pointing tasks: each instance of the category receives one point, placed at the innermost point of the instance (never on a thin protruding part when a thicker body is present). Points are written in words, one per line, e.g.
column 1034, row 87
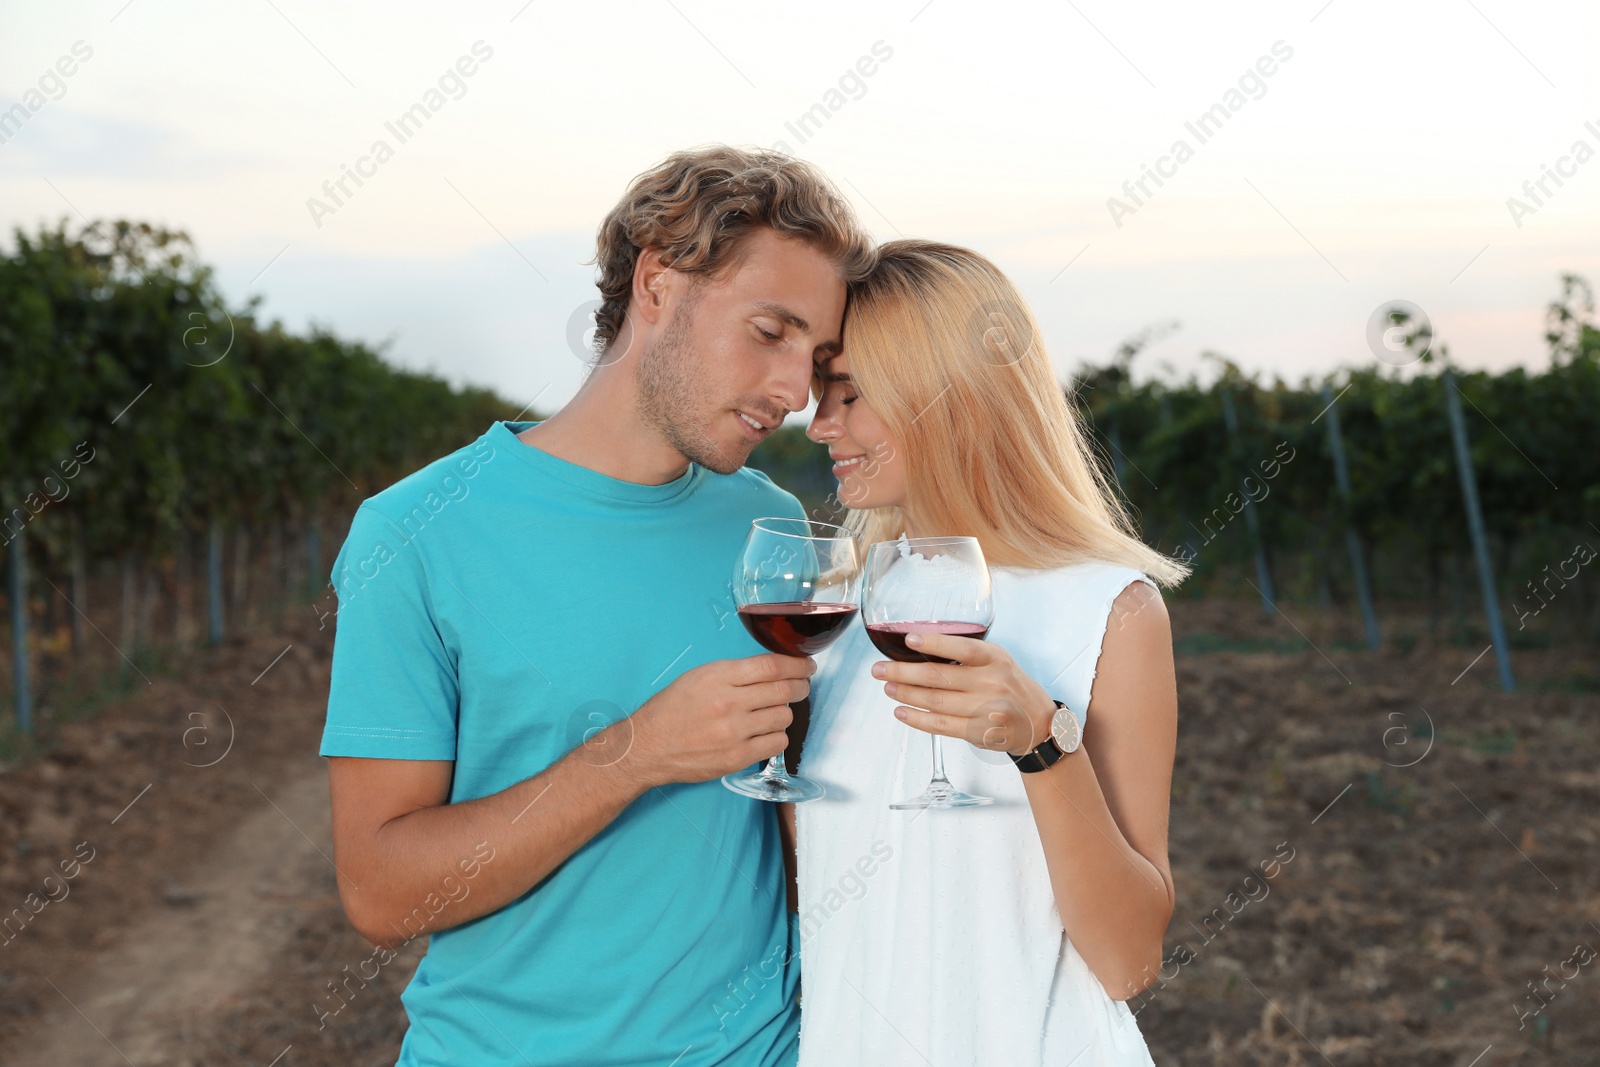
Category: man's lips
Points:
column 755, row 426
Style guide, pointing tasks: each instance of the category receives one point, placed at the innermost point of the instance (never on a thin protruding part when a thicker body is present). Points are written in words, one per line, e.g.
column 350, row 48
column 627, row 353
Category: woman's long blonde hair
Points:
column 945, row 350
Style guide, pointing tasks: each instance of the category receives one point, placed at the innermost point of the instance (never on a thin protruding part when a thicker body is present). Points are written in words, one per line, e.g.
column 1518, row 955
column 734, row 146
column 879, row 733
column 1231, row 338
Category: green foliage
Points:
column 114, row 339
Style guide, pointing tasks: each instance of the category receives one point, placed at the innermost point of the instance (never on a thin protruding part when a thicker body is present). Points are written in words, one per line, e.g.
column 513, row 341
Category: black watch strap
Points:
column 1043, row 757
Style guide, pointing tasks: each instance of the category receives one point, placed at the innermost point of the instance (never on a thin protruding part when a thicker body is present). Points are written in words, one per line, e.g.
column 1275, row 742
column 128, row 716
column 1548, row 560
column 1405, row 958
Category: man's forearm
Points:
column 416, row 868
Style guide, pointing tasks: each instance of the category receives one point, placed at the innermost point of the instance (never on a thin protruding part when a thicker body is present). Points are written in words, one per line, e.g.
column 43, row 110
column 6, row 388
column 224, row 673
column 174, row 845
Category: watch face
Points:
column 1065, row 731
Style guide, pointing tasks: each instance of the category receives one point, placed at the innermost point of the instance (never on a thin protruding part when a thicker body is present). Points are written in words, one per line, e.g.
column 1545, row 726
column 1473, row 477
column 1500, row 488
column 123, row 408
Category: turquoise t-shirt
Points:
column 496, row 608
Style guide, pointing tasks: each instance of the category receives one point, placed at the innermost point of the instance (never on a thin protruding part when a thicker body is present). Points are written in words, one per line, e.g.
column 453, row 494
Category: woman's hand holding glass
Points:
column 983, row 698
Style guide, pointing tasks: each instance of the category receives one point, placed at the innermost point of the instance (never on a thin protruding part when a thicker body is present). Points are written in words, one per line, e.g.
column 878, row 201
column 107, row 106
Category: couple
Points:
column 538, row 680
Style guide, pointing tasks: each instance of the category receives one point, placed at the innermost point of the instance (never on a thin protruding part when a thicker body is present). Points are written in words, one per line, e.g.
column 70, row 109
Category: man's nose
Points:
column 792, row 386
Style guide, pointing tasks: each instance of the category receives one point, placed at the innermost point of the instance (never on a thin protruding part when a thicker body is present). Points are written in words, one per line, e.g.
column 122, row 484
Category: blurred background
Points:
column 1319, row 277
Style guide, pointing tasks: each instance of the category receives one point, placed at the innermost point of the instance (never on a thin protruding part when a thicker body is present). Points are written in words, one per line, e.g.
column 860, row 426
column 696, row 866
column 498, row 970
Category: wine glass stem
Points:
column 938, row 764
column 775, row 771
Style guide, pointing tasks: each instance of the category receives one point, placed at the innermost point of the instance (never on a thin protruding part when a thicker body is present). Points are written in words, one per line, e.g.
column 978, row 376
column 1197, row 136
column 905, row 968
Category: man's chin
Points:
column 722, row 458
column 725, row 462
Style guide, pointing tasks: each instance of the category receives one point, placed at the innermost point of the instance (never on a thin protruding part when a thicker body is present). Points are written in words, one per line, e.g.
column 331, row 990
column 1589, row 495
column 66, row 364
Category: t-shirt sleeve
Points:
column 394, row 691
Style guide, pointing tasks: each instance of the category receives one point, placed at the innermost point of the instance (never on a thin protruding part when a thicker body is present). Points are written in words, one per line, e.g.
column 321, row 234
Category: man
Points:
column 538, row 678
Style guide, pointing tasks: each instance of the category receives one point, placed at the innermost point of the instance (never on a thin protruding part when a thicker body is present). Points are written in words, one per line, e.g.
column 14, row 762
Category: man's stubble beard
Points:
column 671, row 392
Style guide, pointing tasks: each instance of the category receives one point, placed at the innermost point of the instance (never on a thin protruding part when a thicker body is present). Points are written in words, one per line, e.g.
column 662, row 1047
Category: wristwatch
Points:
column 1065, row 737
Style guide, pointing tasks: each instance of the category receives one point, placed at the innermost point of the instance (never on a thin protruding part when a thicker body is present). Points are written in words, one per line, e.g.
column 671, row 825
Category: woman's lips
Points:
column 845, row 466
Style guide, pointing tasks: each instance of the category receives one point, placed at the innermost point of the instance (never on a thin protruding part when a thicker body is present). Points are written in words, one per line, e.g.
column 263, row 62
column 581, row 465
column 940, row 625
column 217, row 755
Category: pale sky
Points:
column 1374, row 162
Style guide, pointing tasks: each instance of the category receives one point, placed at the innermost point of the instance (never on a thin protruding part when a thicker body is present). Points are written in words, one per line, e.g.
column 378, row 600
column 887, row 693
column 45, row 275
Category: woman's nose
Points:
column 824, row 426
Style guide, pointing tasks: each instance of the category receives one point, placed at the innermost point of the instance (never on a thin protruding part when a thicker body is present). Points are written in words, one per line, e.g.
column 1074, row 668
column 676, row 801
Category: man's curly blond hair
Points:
column 698, row 206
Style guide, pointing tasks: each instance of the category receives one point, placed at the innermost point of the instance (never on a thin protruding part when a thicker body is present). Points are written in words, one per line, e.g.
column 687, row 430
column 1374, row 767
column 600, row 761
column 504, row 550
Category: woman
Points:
column 1007, row 934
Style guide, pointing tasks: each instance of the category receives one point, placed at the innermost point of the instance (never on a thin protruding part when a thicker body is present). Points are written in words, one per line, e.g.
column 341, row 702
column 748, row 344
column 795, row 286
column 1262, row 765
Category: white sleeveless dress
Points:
column 932, row 937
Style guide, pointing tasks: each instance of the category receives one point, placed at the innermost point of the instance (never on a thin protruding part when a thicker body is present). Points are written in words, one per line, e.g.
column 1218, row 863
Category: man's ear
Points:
column 653, row 282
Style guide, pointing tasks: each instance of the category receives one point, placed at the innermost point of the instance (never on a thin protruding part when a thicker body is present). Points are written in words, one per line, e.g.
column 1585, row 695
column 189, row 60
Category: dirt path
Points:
column 201, row 804
column 211, row 944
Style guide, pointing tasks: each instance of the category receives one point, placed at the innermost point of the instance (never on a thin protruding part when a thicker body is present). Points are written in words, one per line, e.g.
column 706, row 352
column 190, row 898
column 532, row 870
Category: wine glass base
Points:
column 952, row 799
column 787, row 790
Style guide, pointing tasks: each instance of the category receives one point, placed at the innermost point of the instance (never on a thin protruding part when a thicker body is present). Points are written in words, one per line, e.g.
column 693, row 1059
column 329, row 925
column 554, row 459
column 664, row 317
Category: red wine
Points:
column 890, row 637
column 796, row 629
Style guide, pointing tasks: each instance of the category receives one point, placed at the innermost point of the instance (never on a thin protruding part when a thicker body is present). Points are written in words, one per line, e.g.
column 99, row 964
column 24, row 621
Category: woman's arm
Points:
column 1101, row 811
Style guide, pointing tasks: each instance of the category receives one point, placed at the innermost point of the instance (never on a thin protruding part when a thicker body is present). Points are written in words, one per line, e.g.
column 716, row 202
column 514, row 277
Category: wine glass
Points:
column 795, row 588
column 927, row 585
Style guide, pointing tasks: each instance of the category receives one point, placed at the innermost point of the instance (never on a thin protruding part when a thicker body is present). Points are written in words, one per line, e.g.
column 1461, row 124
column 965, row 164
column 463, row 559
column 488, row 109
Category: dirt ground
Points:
column 1431, row 842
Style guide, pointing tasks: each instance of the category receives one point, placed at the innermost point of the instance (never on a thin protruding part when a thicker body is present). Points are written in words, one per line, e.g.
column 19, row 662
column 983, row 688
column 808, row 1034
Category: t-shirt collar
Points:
column 503, row 434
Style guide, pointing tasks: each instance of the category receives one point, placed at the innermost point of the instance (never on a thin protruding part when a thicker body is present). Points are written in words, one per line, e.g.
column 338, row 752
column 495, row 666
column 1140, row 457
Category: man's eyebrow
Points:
column 783, row 313
column 827, row 349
